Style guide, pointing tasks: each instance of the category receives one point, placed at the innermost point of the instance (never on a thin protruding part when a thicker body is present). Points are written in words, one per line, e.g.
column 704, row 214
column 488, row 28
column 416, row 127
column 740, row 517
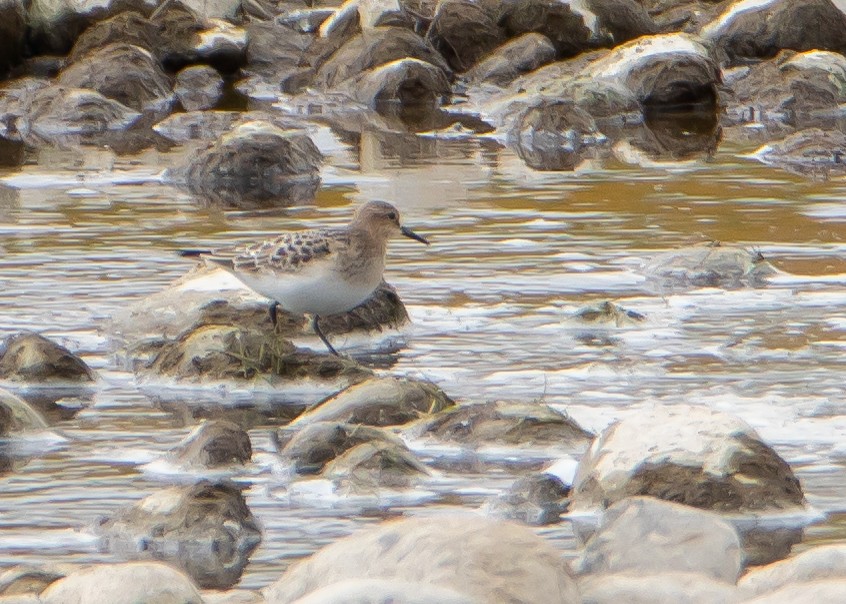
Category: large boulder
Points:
column 30, row 357
column 489, row 561
column 205, row 529
column 686, row 454
column 464, row 31
column 642, row 535
column 255, row 164
column 386, row 401
column 136, row 582
column 123, row 72
column 761, row 28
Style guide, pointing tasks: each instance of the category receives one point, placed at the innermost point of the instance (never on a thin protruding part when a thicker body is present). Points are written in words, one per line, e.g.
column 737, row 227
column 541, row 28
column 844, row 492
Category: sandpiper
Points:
column 320, row 272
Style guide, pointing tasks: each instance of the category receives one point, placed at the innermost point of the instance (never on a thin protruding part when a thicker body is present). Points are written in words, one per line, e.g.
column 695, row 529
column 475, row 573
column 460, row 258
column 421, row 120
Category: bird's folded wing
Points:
column 289, row 253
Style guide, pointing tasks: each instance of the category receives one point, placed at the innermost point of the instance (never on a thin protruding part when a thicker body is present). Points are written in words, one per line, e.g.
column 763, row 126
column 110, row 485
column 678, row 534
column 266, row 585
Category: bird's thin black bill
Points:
column 412, row 235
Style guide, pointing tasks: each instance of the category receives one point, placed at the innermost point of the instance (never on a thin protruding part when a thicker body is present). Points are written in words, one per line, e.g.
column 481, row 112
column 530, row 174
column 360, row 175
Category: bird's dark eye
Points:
column 392, row 216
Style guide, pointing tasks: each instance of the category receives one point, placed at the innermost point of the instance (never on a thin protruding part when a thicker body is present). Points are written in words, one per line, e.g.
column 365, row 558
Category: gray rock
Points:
column 374, row 465
column 255, row 164
column 128, row 27
column 643, row 536
column 608, row 313
column 136, row 582
column 517, row 56
column 658, row 588
column 122, row 72
column 708, row 265
column 205, row 529
column 233, row 596
column 812, row 152
column 830, row 591
column 463, row 32
column 17, row 416
column 820, row 563
column 760, row 29
column 489, row 561
column 536, row 499
column 280, row 56
column 380, row 591
column 30, row 357
column 213, row 444
column 198, row 87
column 55, row 112
column 384, row 401
column 405, row 81
column 12, row 32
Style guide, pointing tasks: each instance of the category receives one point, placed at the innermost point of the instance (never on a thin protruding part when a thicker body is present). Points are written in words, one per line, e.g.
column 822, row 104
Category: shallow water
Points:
column 85, row 233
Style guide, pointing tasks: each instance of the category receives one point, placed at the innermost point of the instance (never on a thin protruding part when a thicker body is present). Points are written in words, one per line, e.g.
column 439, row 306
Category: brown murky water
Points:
column 84, row 233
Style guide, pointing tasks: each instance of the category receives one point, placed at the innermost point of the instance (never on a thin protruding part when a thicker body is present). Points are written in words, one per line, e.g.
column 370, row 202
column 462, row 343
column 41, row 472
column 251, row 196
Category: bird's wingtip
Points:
column 192, row 253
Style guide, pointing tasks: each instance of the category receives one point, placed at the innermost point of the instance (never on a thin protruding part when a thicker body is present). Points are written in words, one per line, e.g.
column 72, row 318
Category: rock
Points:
column 687, row 454
column 555, row 135
column 12, row 32
column 536, row 499
column 57, row 111
column 406, row 82
column 17, row 416
column 280, row 55
column 488, row 561
column 198, row 87
column 820, row 563
column 709, row 265
column 832, row 591
column 503, row 64
column 688, row 16
column 222, row 352
column 233, row 596
column 27, row 579
column 128, row 27
column 54, row 25
column 30, row 357
column 122, row 72
column 310, row 448
column 760, row 28
column 372, row 591
column 658, row 588
column 255, row 164
column 378, row 47
column 463, row 32
column 213, row 444
column 505, row 423
column 608, row 313
column 16, row 98
column 662, row 70
column 21, row 599
column 384, row 401
column 204, row 529
column 136, row 582
column 374, row 465
column 643, row 536
column 197, row 125
column 812, row 152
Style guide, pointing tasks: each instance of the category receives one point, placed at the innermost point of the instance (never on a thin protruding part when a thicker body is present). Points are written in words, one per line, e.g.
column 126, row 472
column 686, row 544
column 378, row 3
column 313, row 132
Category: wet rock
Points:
column 536, row 499
column 280, row 56
column 709, row 265
column 642, row 536
column 17, row 416
column 16, row 98
column 128, row 27
column 368, row 591
column 407, row 82
column 198, row 87
column 204, row 529
column 658, row 588
column 384, row 401
column 823, row 562
column 27, row 579
column 687, row 454
column 811, row 152
column 374, row 465
column 463, row 32
column 378, row 47
column 608, row 313
column 761, row 28
column 669, row 140
column 30, row 357
column 12, row 33
column 311, row 447
column 555, row 135
column 56, row 111
column 213, row 444
column 197, row 125
column 661, row 71
column 819, row 592
column 305, row 21
column 503, row 64
column 122, row 72
column 223, row 352
column 505, row 423
column 489, row 561
column 255, row 164
column 141, row 582
column 688, row 16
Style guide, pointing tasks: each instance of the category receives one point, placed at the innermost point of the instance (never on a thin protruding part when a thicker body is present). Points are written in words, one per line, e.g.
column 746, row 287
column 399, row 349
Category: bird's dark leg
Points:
column 316, row 324
column 272, row 312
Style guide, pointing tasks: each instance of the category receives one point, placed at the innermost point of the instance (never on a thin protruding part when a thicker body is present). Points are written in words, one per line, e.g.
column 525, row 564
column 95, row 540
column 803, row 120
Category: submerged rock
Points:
column 310, row 448
column 373, row 465
column 536, row 499
column 642, row 536
column 709, row 265
column 505, row 423
column 142, row 582
column 687, row 454
column 30, row 357
column 198, row 87
column 213, row 444
column 384, row 401
column 255, row 164
column 488, row 561
column 811, row 152
column 205, row 529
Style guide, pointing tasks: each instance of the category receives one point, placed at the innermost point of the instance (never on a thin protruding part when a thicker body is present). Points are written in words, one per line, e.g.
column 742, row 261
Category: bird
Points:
column 319, row 272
